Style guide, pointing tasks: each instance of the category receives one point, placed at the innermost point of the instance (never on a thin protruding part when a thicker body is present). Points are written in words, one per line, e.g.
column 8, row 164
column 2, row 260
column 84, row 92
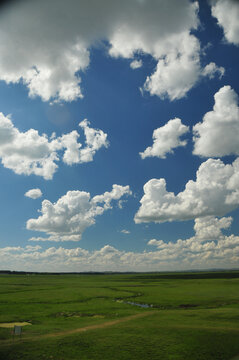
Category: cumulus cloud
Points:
column 74, row 153
column 33, row 193
column 215, row 192
column 30, row 153
column 178, row 71
column 207, row 229
column 74, row 212
column 165, row 139
column 210, row 228
column 95, row 139
column 222, row 123
column 227, row 14
column 26, row 152
column 52, row 42
column 208, row 248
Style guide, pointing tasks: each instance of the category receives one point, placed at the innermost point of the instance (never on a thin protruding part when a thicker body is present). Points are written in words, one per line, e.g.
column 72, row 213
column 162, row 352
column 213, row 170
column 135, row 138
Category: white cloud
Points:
column 178, row 70
column 209, row 227
column 30, row 153
column 33, row 193
column 52, row 42
column 68, row 218
column 70, row 143
column 227, row 14
column 222, row 123
column 209, row 248
column 26, row 152
column 74, row 153
column 45, row 44
column 215, row 192
column 152, row 27
column 136, row 64
column 163, row 32
column 56, row 238
column 124, row 231
column 166, row 138
column 95, row 139
column 212, row 69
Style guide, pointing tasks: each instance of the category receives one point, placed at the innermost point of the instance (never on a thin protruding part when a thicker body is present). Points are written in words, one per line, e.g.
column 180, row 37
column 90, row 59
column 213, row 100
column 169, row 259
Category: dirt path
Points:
column 105, row 325
column 98, row 326
column 82, row 329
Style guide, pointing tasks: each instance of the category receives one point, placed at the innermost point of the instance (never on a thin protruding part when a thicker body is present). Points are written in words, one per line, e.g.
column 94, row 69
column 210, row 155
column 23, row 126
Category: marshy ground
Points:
column 188, row 316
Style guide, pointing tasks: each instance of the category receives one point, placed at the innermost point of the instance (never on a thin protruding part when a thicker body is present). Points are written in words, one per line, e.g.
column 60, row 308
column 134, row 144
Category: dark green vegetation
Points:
column 193, row 316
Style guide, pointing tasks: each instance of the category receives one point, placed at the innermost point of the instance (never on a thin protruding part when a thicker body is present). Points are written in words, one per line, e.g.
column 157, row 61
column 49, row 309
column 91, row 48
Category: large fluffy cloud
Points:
column 227, row 14
column 218, row 134
column 178, row 71
column 214, row 192
column 165, row 139
column 68, row 218
column 177, row 52
column 30, row 153
column 47, row 44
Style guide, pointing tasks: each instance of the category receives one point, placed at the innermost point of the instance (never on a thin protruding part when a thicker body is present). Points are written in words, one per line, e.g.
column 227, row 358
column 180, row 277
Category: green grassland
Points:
column 191, row 316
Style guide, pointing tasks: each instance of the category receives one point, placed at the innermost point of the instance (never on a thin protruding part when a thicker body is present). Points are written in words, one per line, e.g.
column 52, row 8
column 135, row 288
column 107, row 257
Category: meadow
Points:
column 184, row 316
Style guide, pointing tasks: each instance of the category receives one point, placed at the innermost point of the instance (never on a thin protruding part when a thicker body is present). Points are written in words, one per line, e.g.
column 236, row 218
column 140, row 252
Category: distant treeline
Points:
column 55, row 273
column 212, row 274
column 207, row 274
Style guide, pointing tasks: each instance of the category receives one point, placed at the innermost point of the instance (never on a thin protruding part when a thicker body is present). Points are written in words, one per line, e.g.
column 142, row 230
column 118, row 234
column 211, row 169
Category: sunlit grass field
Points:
column 189, row 316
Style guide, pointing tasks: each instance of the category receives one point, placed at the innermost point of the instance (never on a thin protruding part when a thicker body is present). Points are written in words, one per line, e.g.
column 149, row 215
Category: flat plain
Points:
column 171, row 316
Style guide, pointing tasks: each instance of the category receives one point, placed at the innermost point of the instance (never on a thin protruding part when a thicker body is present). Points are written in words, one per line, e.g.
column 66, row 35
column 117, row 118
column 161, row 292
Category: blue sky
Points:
column 155, row 75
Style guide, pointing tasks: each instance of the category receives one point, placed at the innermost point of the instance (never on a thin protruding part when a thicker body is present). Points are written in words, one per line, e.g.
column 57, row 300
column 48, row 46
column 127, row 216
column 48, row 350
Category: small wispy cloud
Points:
column 136, row 64
column 125, row 231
